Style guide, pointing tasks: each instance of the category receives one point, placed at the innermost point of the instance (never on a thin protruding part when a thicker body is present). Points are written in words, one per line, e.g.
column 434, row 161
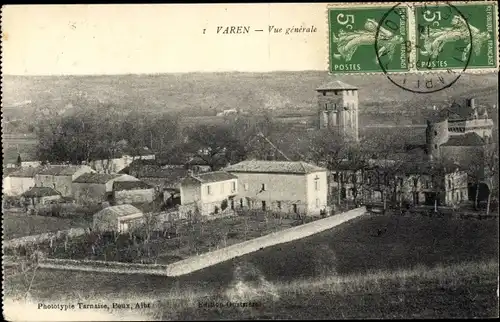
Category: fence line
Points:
column 41, row 238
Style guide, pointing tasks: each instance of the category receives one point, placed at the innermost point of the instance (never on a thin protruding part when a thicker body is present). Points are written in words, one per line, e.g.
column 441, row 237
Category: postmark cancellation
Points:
column 450, row 37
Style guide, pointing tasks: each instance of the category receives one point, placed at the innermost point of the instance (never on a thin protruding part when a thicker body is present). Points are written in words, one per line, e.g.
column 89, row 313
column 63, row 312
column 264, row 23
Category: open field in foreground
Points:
column 455, row 291
column 352, row 251
column 20, row 224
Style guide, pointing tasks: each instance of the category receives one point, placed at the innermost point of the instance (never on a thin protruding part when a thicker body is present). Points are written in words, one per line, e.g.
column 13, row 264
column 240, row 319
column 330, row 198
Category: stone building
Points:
column 19, row 181
column 459, row 132
column 409, row 183
column 40, row 196
column 463, row 133
column 121, row 218
column 97, row 187
column 60, row 177
column 338, row 108
column 208, row 193
column 281, row 186
column 133, row 192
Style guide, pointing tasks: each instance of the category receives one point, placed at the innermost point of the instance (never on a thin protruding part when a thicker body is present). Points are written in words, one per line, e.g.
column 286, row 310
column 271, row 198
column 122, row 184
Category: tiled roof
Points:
column 40, row 192
column 468, row 139
column 258, row 166
column 25, row 172
column 335, row 84
column 130, row 185
column 96, row 178
column 214, row 176
column 149, row 171
column 120, row 211
column 457, row 111
column 60, row 170
column 8, row 171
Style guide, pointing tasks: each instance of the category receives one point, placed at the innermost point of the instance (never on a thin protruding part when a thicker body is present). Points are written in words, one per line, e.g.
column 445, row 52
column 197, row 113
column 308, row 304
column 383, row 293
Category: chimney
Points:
column 472, row 103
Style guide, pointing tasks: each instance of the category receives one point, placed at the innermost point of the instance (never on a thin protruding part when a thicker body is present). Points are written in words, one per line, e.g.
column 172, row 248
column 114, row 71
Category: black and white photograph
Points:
column 207, row 162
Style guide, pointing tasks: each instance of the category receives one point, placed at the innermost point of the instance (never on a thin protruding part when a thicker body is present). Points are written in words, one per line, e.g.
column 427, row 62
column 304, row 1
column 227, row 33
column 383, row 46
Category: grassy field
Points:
column 12, row 145
column 409, row 251
column 462, row 290
column 16, row 224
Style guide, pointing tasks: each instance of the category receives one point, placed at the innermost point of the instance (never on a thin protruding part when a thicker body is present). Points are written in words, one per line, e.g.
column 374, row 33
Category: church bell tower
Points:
column 338, row 108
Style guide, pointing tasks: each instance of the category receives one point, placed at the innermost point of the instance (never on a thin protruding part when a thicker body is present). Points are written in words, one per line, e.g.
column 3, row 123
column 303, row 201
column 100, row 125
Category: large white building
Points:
column 281, row 186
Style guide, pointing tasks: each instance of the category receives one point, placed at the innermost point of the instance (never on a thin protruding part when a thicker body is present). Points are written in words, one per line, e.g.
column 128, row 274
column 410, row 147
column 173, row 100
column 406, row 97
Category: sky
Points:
column 145, row 39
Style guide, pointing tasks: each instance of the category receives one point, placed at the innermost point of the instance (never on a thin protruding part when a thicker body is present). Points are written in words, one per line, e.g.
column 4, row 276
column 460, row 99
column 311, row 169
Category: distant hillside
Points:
column 195, row 94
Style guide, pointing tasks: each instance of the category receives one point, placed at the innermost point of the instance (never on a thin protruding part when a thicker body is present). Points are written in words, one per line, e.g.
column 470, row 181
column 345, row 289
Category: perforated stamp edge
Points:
column 411, row 36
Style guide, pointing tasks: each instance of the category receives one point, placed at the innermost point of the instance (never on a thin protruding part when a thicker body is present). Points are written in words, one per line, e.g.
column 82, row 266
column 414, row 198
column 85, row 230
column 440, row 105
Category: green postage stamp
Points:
column 355, row 31
column 456, row 36
column 408, row 37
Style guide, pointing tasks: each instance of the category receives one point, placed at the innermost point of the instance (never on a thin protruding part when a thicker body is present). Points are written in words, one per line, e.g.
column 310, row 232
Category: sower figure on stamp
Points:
column 348, row 42
column 436, row 38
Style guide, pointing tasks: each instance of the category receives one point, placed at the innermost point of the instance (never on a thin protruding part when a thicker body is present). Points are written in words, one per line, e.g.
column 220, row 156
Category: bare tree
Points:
column 215, row 145
column 328, row 149
column 491, row 169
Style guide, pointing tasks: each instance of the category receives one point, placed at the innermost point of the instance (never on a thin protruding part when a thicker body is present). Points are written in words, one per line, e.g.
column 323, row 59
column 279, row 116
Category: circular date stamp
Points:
column 440, row 52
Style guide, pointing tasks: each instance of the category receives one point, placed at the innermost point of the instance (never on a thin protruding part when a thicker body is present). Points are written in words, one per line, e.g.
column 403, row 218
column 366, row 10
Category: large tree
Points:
column 216, row 145
column 88, row 135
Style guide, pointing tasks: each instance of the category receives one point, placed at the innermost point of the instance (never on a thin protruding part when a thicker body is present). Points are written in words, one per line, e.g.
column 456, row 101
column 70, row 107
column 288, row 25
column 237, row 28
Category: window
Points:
column 316, row 185
column 294, row 207
column 263, row 205
column 122, row 227
column 246, row 186
column 263, row 187
column 209, row 190
column 241, row 202
column 435, row 146
column 335, row 177
column 435, row 133
column 233, row 186
column 278, row 204
column 317, row 203
column 324, row 93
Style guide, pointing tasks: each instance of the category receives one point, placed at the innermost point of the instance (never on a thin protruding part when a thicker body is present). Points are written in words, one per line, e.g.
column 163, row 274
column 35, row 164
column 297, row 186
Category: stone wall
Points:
column 211, row 258
column 41, row 238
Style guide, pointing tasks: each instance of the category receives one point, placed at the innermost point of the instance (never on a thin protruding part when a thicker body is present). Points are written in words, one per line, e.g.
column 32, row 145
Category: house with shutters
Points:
column 281, row 186
column 208, row 193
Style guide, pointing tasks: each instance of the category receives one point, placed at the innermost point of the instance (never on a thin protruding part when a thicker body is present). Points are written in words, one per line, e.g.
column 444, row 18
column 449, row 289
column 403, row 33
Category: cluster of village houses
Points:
column 278, row 186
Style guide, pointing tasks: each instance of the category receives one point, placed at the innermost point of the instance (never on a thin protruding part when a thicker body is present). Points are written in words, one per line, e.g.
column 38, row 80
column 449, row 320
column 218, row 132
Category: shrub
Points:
column 11, row 202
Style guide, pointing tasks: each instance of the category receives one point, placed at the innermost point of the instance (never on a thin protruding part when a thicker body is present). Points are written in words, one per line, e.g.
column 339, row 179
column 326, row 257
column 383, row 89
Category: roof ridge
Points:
column 303, row 166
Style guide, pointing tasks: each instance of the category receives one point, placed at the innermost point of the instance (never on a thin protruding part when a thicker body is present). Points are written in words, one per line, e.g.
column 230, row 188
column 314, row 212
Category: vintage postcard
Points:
column 250, row 161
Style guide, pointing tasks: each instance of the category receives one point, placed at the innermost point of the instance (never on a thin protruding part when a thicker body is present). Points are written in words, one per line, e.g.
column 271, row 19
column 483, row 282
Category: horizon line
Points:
column 170, row 73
